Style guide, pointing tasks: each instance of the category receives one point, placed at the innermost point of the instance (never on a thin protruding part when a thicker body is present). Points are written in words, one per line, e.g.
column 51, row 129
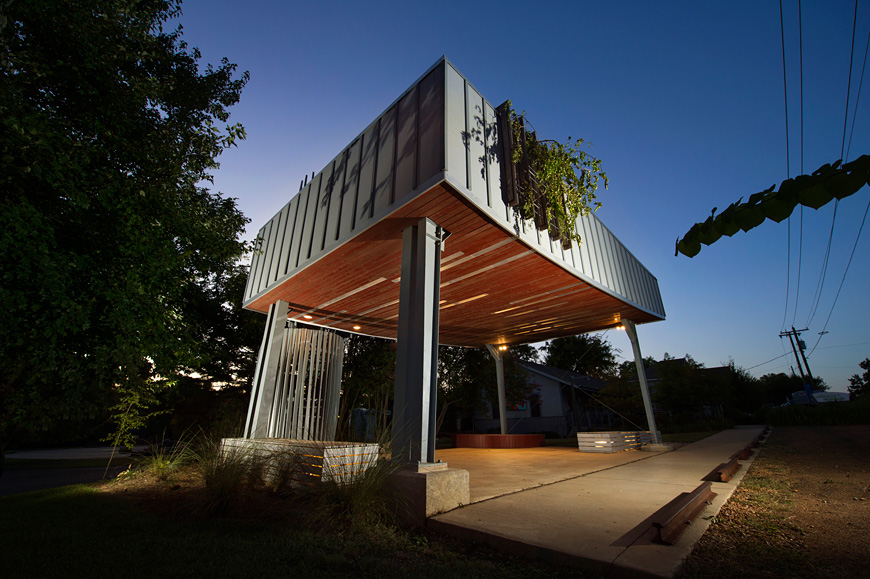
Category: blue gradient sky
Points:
column 682, row 101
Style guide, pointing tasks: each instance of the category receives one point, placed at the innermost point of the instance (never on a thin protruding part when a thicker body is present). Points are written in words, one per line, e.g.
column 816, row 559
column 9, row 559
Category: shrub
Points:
column 164, row 457
column 365, row 501
column 231, row 475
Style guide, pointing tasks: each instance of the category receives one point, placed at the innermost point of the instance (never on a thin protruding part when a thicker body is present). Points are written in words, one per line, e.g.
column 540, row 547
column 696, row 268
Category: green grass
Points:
column 77, row 531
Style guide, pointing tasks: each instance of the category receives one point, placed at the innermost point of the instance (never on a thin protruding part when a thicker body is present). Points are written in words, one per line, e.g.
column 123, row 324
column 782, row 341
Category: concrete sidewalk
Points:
column 589, row 514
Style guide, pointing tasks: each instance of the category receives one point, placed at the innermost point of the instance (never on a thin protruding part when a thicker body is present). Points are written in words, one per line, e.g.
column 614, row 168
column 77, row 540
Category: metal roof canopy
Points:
column 334, row 250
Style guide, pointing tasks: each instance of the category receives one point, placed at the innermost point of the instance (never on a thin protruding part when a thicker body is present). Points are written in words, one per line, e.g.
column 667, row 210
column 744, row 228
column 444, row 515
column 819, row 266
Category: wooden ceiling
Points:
column 494, row 288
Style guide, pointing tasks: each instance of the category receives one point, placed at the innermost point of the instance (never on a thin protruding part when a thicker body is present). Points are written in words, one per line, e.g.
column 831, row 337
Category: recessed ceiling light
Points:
column 357, row 327
column 307, row 317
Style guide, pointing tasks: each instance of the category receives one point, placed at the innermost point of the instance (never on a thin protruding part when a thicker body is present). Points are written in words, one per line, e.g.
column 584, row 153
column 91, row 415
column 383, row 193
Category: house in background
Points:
column 561, row 402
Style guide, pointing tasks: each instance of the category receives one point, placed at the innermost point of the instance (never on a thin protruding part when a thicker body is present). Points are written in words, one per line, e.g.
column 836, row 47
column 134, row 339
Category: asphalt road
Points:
column 19, row 480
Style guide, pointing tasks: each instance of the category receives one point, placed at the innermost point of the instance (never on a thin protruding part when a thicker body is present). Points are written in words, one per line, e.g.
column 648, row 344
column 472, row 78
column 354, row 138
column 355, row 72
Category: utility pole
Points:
column 798, row 345
column 794, row 349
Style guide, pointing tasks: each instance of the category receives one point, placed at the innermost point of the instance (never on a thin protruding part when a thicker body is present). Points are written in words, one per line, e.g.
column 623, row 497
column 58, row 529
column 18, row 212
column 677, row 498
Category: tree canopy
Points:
column 589, row 354
column 859, row 384
column 108, row 128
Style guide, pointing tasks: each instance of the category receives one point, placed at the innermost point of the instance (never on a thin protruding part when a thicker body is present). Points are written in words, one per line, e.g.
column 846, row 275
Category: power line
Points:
column 814, row 306
column 849, row 85
column 769, row 361
column 817, row 298
column 861, row 228
column 787, row 164
column 858, row 98
column 784, row 91
column 848, row 264
column 797, row 291
column 801, row 59
column 844, row 345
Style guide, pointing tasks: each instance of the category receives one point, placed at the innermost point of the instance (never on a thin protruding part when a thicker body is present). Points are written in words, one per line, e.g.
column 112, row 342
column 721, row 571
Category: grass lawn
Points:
column 79, row 531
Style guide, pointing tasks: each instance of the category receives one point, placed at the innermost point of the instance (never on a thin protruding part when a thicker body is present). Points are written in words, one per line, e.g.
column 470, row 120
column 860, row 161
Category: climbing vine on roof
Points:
column 547, row 181
column 830, row 181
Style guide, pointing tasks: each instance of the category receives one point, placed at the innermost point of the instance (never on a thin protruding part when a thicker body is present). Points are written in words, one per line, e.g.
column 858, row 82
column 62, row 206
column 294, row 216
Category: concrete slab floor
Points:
column 499, row 471
column 592, row 518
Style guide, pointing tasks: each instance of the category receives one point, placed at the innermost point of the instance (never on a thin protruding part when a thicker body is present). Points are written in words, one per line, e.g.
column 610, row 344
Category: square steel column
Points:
column 417, row 343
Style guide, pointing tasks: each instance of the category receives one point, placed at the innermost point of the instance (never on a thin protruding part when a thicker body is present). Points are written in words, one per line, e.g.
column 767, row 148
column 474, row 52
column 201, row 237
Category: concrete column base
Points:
column 653, row 447
column 427, row 489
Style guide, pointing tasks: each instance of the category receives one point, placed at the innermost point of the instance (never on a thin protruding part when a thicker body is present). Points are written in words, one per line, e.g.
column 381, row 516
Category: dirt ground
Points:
column 803, row 510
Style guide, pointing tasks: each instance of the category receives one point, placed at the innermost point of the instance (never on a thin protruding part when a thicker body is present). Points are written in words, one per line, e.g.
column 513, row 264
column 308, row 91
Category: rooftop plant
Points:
column 547, row 181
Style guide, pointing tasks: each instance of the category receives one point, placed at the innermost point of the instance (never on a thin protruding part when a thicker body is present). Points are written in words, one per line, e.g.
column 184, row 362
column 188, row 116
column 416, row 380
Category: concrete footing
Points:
column 653, row 447
column 427, row 489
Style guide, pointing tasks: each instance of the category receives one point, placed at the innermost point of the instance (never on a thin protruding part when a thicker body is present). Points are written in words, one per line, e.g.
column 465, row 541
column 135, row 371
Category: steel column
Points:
column 498, row 355
column 641, row 378
column 263, row 391
column 417, row 344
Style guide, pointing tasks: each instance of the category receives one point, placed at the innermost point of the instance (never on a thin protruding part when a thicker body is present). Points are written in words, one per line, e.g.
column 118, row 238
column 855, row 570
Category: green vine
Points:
column 829, row 182
column 557, row 181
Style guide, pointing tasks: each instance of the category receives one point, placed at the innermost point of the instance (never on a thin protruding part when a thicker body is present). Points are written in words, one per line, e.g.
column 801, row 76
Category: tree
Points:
column 859, row 385
column 467, row 379
column 107, row 129
column 211, row 391
column 585, row 354
column 525, row 353
column 368, row 380
column 680, row 386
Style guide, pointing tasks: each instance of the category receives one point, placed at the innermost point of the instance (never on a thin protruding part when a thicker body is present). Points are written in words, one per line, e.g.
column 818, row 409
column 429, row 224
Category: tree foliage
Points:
column 830, row 181
column 107, row 129
column 368, row 380
column 467, row 379
column 589, row 354
column 859, row 384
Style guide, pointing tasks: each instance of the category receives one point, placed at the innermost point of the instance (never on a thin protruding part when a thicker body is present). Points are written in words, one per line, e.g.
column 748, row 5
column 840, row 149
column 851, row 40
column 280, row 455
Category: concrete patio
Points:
column 591, row 511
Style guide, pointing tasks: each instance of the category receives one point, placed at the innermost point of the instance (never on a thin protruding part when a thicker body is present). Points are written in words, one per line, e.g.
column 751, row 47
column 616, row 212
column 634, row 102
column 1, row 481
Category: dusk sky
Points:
column 682, row 101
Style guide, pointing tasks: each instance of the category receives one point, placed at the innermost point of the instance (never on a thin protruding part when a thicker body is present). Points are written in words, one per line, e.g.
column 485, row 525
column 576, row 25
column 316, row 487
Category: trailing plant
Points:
column 551, row 182
column 828, row 182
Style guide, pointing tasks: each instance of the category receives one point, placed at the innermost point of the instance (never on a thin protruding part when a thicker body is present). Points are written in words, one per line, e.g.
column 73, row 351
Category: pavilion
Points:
column 408, row 234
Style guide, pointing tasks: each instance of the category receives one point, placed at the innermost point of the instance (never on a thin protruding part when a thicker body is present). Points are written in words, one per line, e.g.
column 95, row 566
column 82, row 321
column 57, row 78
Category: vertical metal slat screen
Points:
column 307, row 385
